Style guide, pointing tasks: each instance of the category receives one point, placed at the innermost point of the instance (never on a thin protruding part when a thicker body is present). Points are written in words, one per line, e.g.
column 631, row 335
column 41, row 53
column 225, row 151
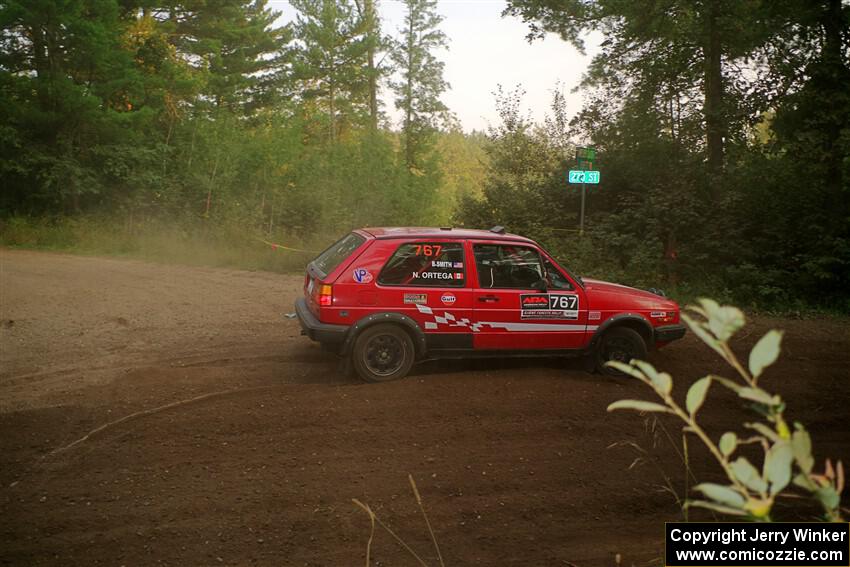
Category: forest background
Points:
column 204, row 131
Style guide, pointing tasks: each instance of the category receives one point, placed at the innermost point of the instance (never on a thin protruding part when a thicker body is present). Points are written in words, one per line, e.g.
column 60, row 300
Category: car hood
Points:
column 602, row 294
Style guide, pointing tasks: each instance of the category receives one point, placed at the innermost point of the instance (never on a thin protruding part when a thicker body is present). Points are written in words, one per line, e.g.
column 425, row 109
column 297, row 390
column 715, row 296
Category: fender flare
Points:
column 618, row 320
column 417, row 334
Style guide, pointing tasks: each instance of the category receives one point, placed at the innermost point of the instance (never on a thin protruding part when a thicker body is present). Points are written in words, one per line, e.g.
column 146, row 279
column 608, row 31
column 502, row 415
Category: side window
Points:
column 430, row 264
column 556, row 279
column 336, row 254
column 507, row 266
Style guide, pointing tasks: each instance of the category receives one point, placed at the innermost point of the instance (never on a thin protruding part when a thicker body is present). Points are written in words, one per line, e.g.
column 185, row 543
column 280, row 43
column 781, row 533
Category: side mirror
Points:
column 540, row 285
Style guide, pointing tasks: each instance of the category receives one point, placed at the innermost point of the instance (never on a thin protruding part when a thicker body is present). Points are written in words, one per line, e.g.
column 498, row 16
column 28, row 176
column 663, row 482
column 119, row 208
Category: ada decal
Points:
column 415, row 298
column 362, row 275
column 448, row 298
column 549, row 306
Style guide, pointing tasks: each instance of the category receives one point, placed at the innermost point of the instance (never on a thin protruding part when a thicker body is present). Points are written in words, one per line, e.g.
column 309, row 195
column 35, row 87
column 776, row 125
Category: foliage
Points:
column 187, row 241
column 205, row 113
column 421, row 80
column 787, row 455
column 331, row 64
column 211, row 112
column 524, row 171
column 463, row 169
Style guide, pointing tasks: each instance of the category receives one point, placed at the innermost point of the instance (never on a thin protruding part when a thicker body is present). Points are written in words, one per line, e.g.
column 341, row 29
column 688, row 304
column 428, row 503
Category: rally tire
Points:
column 621, row 344
column 382, row 353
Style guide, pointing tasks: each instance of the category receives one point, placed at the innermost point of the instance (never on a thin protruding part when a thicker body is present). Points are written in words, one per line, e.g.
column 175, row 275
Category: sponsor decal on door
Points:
column 549, row 306
column 435, row 322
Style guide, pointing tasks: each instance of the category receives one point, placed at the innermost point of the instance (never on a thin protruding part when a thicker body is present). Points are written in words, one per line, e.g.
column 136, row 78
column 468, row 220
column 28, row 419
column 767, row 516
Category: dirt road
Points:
column 517, row 462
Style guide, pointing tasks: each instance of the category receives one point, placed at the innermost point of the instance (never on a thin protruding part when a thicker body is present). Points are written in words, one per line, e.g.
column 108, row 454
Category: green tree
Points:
column 421, row 80
column 673, row 53
column 332, row 62
column 69, row 84
column 463, row 164
column 798, row 183
column 368, row 14
column 524, row 170
column 234, row 45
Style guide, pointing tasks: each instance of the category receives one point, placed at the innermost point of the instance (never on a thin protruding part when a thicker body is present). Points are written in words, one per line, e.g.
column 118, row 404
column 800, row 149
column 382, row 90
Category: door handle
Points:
column 488, row 298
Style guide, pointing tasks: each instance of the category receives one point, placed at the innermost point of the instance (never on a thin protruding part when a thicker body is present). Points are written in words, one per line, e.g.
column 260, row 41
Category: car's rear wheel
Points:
column 619, row 344
column 382, row 353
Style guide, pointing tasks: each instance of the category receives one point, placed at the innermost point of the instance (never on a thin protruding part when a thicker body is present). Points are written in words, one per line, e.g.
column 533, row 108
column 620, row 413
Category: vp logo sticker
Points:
column 362, row 275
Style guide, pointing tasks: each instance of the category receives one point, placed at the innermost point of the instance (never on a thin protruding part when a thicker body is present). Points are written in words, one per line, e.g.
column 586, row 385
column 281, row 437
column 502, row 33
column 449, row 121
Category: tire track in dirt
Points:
column 516, row 460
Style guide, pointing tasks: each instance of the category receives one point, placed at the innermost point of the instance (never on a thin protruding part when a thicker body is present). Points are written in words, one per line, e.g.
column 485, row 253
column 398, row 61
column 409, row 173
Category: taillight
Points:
column 326, row 296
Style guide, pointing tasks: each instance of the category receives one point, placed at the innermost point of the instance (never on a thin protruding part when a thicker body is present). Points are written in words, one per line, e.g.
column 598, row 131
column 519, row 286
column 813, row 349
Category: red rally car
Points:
column 385, row 298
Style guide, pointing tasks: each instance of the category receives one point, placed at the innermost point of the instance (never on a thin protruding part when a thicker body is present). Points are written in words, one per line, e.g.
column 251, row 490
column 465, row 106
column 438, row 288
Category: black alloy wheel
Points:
column 620, row 344
column 383, row 352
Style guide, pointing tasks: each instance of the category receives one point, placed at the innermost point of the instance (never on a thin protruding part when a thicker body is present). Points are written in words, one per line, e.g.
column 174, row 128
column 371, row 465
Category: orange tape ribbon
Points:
column 281, row 246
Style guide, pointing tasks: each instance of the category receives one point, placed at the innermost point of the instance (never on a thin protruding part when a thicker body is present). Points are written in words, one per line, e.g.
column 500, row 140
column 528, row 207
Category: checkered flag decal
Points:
column 446, row 319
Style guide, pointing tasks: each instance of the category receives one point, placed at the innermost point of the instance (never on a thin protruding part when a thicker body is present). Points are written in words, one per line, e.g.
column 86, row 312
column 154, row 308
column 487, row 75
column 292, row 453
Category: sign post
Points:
column 584, row 175
column 581, row 218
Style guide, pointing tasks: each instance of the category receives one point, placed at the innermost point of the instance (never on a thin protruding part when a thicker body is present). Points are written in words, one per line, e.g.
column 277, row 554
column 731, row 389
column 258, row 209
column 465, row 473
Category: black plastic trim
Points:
column 417, row 333
column 442, row 354
column 669, row 333
column 450, row 341
column 617, row 319
column 315, row 329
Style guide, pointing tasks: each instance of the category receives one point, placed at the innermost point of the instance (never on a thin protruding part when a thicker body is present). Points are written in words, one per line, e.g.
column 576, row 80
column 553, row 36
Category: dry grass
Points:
column 194, row 242
column 373, row 518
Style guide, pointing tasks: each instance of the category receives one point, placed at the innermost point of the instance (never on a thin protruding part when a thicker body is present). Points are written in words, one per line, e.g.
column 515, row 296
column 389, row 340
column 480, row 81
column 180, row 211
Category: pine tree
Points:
column 668, row 55
column 421, row 80
column 243, row 58
column 332, row 60
column 372, row 23
column 65, row 80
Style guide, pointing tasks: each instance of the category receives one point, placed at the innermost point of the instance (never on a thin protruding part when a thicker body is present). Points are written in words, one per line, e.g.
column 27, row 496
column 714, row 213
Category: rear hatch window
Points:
column 330, row 259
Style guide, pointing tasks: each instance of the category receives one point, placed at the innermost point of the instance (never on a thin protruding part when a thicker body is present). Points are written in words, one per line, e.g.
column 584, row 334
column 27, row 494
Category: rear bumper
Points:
column 315, row 329
column 669, row 333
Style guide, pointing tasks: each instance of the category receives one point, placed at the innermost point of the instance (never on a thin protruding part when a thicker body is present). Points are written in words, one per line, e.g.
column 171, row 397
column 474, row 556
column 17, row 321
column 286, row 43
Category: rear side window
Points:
column 507, row 266
column 429, row 264
column 328, row 260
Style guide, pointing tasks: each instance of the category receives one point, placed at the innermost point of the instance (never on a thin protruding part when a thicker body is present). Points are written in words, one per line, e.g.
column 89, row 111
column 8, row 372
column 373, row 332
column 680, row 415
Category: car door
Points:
column 516, row 306
column 427, row 281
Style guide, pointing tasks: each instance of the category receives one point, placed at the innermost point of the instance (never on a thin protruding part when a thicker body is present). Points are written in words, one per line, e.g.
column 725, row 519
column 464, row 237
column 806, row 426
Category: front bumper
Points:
column 315, row 329
column 669, row 333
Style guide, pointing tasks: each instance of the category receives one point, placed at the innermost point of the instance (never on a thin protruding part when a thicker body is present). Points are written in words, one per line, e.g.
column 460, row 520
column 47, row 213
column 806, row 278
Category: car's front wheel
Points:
column 382, row 353
column 619, row 344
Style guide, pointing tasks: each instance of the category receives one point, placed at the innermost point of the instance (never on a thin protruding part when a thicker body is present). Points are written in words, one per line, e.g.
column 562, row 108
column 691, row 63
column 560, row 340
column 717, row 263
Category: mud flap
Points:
column 345, row 367
column 588, row 363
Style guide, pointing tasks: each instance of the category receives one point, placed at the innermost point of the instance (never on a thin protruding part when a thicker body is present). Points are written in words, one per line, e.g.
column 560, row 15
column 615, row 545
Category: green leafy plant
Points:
column 787, row 462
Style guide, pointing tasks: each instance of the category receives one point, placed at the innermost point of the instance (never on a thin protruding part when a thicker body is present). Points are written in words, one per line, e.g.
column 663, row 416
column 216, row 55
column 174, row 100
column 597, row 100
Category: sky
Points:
column 486, row 50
